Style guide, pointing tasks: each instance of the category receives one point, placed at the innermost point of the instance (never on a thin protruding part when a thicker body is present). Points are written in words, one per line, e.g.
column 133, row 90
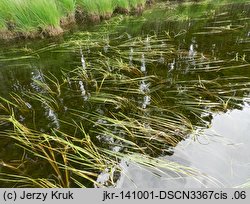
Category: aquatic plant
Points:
column 130, row 102
column 77, row 143
column 244, row 185
column 78, row 146
column 75, row 158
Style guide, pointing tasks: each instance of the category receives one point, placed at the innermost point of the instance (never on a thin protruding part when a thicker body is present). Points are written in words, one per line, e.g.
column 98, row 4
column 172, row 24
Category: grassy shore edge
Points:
column 42, row 18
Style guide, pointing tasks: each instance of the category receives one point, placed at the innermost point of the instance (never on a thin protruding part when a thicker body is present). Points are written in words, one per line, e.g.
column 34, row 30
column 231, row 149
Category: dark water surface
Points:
column 201, row 60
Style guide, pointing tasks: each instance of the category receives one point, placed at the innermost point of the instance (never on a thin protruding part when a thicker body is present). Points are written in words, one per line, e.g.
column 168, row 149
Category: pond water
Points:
column 178, row 71
column 222, row 155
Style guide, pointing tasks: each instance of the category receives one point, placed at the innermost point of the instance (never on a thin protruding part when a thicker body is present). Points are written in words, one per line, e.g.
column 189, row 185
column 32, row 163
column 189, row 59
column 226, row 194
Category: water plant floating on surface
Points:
column 80, row 112
column 108, row 126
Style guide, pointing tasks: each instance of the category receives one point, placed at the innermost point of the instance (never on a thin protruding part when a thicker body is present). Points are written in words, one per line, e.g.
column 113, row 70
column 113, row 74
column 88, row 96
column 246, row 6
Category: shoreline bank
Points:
column 21, row 21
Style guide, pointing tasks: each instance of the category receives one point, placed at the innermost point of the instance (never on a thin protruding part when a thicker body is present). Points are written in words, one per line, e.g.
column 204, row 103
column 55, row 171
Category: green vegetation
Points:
column 99, row 112
column 105, row 7
column 28, row 17
column 67, row 6
column 2, row 24
column 121, row 4
column 88, row 5
column 83, row 141
column 101, row 8
column 124, row 98
column 33, row 18
column 46, row 17
column 135, row 3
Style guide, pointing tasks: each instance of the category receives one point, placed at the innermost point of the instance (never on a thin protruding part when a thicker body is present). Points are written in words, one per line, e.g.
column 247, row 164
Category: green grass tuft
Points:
column 67, row 6
column 105, row 7
column 89, row 6
column 29, row 16
column 45, row 13
column 26, row 16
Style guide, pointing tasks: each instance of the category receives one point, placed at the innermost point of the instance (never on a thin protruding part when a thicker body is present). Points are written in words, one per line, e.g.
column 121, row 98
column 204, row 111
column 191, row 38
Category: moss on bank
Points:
column 40, row 18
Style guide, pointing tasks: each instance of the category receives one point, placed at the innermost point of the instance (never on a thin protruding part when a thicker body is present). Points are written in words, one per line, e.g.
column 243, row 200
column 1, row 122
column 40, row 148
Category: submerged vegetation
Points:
column 124, row 99
column 105, row 128
column 32, row 18
column 111, row 109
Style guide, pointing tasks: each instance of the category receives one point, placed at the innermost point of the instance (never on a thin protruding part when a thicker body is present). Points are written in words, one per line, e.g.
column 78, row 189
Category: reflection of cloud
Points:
column 161, row 60
column 144, row 87
column 83, row 91
column 171, row 66
column 143, row 66
column 221, row 158
column 131, row 56
column 146, row 101
column 37, row 75
column 53, row 117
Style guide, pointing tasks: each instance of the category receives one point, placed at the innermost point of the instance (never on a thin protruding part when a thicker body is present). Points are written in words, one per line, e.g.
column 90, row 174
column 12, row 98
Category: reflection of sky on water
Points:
column 223, row 157
column 222, row 154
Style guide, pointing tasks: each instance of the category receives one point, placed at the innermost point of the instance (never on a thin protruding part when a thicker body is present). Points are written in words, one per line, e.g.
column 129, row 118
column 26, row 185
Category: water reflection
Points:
column 82, row 59
column 173, row 76
column 143, row 64
column 131, row 56
column 38, row 81
column 171, row 66
column 221, row 155
column 37, row 75
column 83, row 91
column 192, row 49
